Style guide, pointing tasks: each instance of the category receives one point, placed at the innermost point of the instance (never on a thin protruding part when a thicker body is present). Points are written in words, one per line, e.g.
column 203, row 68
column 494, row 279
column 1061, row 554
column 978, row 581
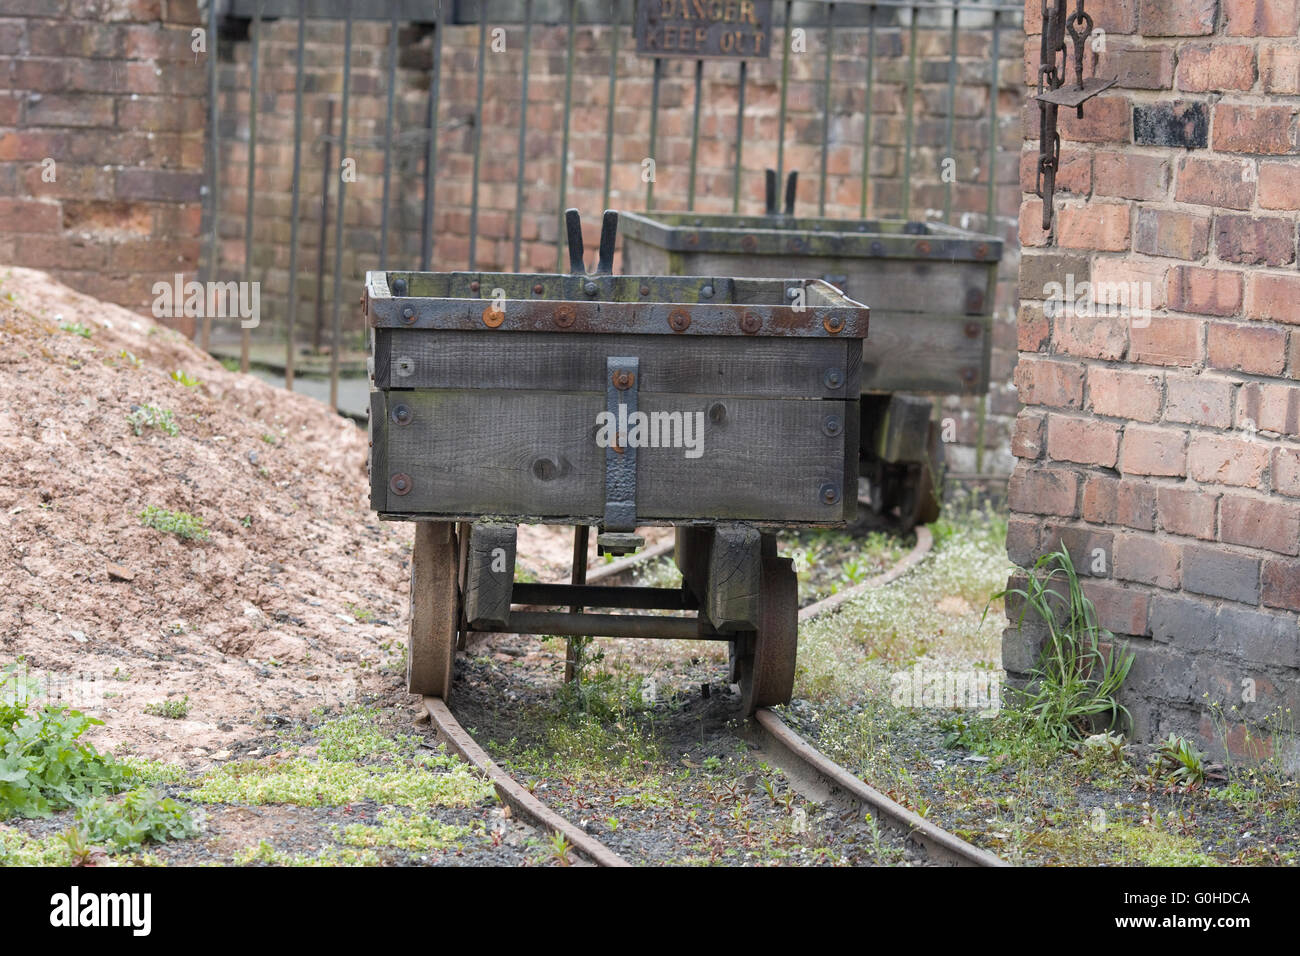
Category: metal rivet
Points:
column 829, row 494
column 493, row 318
column 399, row 287
column 749, row 243
column 537, row 289
column 834, row 324
column 923, row 247
column 402, row 414
column 833, row 378
column 408, row 315
column 645, row 290
column 750, row 323
column 832, row 425
column 706, row 292
column 877, row 248
column 473, row 286
column 679, row 320
column 792, row 293
column 693, row 239
column 400, row 484
column 981, row 251
column 564, row 316
column 589, row 288
column 623, row 379
column 972, row 330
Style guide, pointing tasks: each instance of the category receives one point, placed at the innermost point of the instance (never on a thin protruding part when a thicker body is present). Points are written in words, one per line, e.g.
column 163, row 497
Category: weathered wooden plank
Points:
column 490, row 573
column 903, row 434
column 378, row 452
column 788, row 368
column 523, row 452
column 691, row 555
column 908, row 352
column 734, row 578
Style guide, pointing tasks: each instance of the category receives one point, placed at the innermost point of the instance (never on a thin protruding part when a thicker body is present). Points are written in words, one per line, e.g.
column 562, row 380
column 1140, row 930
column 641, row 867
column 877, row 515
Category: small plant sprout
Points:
column 560, row 849
column 179, row 523
column 184, row 378
column 76, row 328
column 171, row 709
column 151, row 416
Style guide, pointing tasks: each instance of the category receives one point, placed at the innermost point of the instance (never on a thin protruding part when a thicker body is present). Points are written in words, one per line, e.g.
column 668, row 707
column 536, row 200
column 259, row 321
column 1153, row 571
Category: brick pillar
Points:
column 1161, row 445
column 101, row 143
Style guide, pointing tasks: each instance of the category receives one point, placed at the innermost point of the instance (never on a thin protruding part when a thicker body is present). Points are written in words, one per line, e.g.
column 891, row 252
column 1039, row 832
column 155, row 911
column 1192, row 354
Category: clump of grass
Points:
column 171, row 709
column 179, row 523
column 397, row 830
column 151, row 416
column 267, row 854
column 184, row 378
column 1075, row 681
column 141, row 816
column 76, row 328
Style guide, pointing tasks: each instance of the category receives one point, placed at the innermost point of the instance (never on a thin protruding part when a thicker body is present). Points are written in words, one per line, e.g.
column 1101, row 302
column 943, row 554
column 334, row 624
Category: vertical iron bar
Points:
column 695, row 133
column 952, row 120
column 785, row 82
column 654, row 133
column 991, row 223
column 214, row 160
column 578, row 576
column 478, row 131
column 616, row 17
column 740, row 137
column 327, row 165
column 866, row 119
column 291, row 337
column 908, row 119
column 431, row 147
column 245, row 334
column 564, row 150
column 336, row 330
column 523, row 132
column 388, row 140
column 826, row 113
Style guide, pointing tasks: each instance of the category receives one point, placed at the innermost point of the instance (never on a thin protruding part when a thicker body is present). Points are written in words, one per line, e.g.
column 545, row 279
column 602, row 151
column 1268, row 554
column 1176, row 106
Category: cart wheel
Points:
column 767, row 668
column 928, row 505
column 435, row 609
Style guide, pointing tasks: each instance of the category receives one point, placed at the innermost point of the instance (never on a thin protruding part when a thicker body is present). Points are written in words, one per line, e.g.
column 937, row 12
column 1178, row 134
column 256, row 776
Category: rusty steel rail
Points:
column 516, row 797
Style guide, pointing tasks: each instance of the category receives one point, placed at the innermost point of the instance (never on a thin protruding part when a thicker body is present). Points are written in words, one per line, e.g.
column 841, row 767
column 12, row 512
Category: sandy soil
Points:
column 296, row 597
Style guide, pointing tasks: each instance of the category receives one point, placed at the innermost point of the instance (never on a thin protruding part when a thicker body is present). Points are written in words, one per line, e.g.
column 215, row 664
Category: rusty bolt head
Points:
column 829, row 494
column 972, row 330
column 402, row 414
column 679, row 320
column 923, row 248
column 693, row 239
column 564, row 316
column 832, row 425
column 408, row 315
column 750, row 323
column 623, row 379
column 797, row 245
column 493, row 318
column 749, row 243
column 834, row 324
column 400, row 484
column 645, row 290
column 538, row 288
column 981, row 251
column 473, row 286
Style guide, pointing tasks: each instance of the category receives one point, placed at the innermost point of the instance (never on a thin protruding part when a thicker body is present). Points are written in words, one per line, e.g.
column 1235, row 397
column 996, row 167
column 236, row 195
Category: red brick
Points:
column 1212, row 68
column 1219, row 183
column 1270, row 408
column 1032, row 233
column 1253, row 242
column 1106, row 119
column 1274, row 297
column 1227, row 461
column 1027, row 437
column 1279, row 185
column 1097, row 225
column 158, row 184
column 1083, row 440
column 1047, row 382
column 1281, row 584
column 1032, row 330
column 1034, row 489
column 1119, row 609
column 1149, row 450
column 1205, row 291
column 1185, row 18
column 1116, row 280
column 1261, row 18
column 1260, row 523
column 1176, row 235
column 1188, row 511
column 1286, row 471
column 1198, row 400
column 1118, row 16
column 28, row 215
column 1109, row 500
column 1254, row 129
column 1148, row 560
column 1101, row 337
column 1074, row 176
column 1137, row 68
column 1242, row 348
column 1168, row 340
column 1131, row 176
column 1124, row 394
column 1279, row 69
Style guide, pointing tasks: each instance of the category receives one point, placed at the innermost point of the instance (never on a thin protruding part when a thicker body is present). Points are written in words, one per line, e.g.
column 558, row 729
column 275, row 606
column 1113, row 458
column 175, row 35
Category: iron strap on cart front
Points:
column 726, row 407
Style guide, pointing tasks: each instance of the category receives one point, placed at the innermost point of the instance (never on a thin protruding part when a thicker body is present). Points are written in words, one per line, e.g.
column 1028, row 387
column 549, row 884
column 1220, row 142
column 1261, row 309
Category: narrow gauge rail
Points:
column 806, row 767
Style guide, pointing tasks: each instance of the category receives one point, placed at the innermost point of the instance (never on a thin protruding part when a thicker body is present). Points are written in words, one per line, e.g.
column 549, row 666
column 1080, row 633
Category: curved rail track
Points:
column 811, row 771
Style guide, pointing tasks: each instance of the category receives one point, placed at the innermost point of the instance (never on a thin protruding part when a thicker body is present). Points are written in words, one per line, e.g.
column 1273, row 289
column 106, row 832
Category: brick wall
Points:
column 104, row 98
column 498, row 171
column 1163, row 449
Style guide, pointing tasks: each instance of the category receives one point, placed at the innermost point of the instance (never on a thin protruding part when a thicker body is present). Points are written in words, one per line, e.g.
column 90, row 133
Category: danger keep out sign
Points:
column 704, row 28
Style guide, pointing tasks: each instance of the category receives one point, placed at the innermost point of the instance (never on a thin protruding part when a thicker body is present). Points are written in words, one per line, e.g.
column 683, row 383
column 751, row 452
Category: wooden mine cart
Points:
column 931, row 292
column 503, row 398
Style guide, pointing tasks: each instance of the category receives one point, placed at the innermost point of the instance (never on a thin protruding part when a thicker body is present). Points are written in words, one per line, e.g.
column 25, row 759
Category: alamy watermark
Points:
column 651, row 430
column 1087, row 300
column 208, row 300
column 975, row 689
